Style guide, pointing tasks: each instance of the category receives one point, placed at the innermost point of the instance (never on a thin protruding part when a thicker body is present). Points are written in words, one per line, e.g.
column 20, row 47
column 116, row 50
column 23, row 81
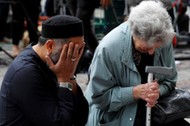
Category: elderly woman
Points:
column 118, row 92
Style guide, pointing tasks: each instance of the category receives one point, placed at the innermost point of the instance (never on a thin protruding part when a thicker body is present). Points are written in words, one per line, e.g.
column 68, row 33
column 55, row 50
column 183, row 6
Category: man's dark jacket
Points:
column 30, row 96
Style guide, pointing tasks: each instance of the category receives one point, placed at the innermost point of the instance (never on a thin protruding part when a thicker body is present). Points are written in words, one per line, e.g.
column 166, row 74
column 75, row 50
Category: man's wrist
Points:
column 73, row 78
column 67, row 85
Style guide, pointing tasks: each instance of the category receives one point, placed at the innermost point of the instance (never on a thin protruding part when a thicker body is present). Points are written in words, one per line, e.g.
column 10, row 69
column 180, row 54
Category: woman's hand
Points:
column 149, row 92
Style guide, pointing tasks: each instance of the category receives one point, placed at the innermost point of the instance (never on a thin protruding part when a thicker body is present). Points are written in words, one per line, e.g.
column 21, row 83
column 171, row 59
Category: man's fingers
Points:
column 81, row 50
column 63, row 53
column 48, row 60
column 75, row 52
column 70, row 51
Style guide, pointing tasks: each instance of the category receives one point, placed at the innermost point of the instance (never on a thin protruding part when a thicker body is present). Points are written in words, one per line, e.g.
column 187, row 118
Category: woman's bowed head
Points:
column 151, row 23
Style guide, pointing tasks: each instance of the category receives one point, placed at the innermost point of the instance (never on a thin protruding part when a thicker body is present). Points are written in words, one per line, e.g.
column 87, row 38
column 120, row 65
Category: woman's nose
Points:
column 151, row 51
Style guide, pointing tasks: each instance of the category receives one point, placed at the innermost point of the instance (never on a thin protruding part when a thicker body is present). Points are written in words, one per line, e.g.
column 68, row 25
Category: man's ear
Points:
column 49, row 45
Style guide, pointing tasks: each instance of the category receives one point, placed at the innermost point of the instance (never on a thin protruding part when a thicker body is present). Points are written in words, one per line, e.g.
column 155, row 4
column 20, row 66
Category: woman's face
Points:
column 143, row 46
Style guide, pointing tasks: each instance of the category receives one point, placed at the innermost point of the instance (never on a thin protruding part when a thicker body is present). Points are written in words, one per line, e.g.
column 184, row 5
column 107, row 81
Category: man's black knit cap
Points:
column 62, row 26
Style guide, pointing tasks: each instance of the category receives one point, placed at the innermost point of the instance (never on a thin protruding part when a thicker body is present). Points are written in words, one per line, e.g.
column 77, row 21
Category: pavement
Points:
column 181, row 52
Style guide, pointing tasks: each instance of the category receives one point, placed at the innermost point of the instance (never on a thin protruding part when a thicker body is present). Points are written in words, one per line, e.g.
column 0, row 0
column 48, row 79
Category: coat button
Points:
column 130, row 119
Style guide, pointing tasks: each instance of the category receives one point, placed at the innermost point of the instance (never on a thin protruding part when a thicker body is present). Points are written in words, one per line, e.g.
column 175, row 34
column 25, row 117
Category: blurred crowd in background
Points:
column 20, row 20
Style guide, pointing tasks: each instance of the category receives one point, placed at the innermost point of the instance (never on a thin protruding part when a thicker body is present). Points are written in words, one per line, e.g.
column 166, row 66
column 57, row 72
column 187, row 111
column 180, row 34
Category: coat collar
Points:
column 127, row 58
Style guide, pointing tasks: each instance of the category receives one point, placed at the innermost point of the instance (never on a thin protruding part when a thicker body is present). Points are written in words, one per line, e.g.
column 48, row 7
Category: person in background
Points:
column 131, row 3
column 55, row 7
column 180, row 17
column 84, row 10
column 24, row 10
column 4, row 10
column 39, row 87
column 49, row 8
column 118, row 92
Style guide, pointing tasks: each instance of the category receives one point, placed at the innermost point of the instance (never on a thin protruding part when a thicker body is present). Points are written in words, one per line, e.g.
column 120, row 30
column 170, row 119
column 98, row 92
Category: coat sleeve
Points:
column 166, row 59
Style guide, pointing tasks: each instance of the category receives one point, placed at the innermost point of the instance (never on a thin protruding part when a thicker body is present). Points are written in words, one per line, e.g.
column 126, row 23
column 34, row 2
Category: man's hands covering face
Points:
column 65, row 68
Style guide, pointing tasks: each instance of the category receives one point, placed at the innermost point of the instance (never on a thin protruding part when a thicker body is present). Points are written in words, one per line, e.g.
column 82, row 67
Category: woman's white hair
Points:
column 151, row 22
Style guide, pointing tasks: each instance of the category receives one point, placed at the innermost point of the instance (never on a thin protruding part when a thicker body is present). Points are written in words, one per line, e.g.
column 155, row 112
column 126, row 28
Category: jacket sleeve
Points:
column 43, row 104
column 81, row 109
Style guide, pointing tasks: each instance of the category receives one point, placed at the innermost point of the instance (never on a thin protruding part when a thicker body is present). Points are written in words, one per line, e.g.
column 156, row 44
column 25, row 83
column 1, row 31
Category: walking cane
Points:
column 156, row 70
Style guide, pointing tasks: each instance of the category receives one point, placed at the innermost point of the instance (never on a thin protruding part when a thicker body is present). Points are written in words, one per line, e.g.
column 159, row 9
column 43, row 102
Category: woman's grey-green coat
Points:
column 113, row 75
